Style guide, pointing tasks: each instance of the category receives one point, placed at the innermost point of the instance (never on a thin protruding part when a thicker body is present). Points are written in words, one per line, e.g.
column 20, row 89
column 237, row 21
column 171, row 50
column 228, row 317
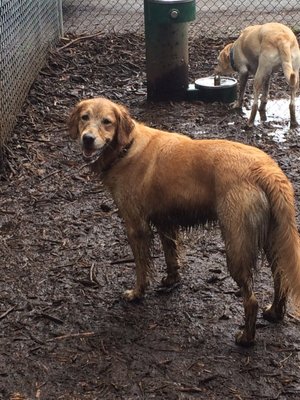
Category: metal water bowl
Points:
column 217, row 88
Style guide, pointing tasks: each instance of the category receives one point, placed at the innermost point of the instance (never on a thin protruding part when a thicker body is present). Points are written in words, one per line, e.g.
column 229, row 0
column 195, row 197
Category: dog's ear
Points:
column 226, row 54
column 73, row 122
column 125, row 125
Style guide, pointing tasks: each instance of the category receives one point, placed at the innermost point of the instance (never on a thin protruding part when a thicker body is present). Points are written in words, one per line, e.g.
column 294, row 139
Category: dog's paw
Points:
column 248, row 126
column 241, row 339
column 294, row 125
column 171, row 280
column 132, row 295
column 271, row 315
column 237, row 106
column 263, row 115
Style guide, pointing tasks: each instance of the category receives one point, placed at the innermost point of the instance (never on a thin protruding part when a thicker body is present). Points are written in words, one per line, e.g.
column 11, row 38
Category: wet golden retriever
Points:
column 169, row 180
column 259, row 50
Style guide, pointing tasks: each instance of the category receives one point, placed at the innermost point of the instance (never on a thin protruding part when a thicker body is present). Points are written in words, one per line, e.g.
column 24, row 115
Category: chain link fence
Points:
column 27, row 29
column 213, row 17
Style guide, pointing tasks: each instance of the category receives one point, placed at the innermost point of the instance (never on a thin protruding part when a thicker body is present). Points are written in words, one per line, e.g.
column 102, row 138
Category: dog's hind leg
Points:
column 240, row 260
column 293, row 120
column 170, row 248
column 140, row 239
column 276, row 311
column 243, row 215
column 259, row 83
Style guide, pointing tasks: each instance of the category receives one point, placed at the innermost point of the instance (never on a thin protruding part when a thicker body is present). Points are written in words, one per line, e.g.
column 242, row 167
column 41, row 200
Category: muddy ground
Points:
column 65, row 331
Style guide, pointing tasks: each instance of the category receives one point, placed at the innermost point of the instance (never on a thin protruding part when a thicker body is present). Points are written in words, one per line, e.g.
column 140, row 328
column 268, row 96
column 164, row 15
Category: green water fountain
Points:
column 167, row 57
column 166, row 34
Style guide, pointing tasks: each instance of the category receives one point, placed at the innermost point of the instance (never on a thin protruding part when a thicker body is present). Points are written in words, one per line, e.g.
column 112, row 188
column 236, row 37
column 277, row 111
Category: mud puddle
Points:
column 277, row 125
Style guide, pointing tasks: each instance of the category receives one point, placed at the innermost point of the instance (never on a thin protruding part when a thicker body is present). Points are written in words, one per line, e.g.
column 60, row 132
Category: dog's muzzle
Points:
column 90, row 151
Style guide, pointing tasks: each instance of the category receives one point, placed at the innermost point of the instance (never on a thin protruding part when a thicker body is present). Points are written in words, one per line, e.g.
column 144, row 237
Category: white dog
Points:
column 259, row 50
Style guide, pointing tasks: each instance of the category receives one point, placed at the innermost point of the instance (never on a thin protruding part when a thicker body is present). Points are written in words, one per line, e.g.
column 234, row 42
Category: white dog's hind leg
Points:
column 264, row 98
column 293, row 123
column 258, row 84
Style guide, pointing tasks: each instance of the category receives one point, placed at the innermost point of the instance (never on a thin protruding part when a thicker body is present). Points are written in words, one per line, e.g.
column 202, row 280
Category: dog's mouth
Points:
column 92, row 156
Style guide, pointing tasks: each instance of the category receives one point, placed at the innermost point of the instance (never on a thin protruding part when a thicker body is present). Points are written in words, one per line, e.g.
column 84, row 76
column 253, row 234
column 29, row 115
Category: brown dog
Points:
column 259, row 50
column 168, row 180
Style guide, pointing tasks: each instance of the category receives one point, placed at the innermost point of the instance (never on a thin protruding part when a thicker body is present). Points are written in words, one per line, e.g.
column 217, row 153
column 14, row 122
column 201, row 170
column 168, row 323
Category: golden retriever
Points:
column 259, row 50
column 169, row 180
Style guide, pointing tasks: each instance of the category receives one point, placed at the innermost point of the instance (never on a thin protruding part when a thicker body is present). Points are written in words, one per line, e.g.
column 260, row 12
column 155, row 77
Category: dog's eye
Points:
column 106, row 121
column 85, row 117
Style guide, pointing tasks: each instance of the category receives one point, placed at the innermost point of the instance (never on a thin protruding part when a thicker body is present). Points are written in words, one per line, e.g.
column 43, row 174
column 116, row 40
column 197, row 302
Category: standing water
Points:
column 278, row 115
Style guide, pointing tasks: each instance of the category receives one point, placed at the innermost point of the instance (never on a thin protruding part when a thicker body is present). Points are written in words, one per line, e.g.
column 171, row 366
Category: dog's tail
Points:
column 287, row 66
column 284, row 242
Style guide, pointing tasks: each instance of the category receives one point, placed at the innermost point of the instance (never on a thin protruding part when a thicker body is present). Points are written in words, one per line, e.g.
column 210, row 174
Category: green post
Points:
column 166, row 33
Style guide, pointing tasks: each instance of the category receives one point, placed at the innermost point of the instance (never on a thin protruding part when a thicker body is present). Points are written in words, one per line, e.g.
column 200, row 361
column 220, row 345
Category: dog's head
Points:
column 224, row 66
column 99, row 123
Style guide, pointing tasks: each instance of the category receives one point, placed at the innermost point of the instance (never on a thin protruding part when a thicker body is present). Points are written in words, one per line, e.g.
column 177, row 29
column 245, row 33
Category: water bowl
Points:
column 216, row 88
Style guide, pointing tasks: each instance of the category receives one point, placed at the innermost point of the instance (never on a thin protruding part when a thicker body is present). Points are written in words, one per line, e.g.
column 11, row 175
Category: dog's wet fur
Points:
column 169, row 180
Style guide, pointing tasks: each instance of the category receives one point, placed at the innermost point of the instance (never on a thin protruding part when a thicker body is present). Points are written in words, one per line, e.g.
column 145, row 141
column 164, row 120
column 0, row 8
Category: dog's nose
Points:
column 88, row 140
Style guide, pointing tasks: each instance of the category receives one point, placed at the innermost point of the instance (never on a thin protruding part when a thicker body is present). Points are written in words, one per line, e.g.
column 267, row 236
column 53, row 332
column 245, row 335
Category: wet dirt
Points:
column 65, row 260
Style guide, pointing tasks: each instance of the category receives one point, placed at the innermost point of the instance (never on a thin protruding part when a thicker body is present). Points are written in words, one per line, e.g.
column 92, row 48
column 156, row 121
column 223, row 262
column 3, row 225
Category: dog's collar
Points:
column 97, row 167
column 125, row 149
column 231, row 58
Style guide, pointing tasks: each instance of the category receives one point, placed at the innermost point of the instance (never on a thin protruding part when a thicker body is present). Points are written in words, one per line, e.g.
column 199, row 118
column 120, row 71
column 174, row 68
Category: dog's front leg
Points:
column 254, row 108
column 243, row 78
column 140, row 237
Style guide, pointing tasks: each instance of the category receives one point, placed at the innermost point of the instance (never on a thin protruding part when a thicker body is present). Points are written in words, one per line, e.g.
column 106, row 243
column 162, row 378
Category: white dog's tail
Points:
column 287, row 66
